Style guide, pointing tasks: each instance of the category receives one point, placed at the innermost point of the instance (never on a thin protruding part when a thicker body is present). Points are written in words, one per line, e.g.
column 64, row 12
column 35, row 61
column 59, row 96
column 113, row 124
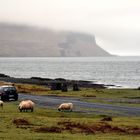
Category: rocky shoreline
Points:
column 48, row 82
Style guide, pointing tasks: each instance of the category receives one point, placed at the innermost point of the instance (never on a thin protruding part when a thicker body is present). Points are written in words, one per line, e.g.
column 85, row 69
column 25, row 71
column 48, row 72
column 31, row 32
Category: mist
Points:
column 115, row 24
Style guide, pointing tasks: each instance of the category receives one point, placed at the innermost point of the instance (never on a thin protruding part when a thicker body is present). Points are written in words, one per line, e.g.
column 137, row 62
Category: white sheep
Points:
column 26, row 105
column 1, row 104
column 65, row 106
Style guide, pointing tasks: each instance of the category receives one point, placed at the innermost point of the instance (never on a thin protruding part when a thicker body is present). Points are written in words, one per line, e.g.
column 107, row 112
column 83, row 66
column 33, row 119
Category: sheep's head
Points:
column 19, row 107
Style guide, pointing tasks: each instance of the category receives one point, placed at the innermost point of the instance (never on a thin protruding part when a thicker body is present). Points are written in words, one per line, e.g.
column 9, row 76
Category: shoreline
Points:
column 48, row 81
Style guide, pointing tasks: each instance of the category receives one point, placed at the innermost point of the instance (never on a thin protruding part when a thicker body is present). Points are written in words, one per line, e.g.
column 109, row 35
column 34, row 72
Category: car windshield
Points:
column 9, row 88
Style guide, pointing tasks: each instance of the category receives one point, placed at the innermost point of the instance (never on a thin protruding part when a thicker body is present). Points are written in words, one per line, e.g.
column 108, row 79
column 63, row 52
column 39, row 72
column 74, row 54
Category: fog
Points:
column 115, row 24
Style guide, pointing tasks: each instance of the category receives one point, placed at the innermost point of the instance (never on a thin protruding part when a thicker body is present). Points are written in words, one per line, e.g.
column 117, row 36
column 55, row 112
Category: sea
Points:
column 123, row 72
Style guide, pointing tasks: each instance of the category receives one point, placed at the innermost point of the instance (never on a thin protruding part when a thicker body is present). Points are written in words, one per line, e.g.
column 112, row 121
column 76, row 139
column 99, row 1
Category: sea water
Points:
column 119, row 71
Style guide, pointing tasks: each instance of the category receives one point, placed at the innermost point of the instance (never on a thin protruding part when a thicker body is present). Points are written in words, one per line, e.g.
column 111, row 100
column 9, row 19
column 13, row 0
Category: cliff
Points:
column 27, row 41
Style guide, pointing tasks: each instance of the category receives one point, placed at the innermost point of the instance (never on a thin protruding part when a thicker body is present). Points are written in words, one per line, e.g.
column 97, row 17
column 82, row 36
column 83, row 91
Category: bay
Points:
column 119, row 71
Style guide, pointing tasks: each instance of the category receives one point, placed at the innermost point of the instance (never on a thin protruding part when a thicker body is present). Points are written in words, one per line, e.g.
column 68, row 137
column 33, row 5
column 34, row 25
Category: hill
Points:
column 27, row 41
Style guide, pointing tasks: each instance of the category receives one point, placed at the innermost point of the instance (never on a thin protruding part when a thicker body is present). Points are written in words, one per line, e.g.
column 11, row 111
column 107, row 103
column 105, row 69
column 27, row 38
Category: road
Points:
column 82, row 106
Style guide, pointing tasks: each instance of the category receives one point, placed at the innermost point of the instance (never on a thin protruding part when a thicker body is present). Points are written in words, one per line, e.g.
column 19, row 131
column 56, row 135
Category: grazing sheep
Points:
column 1, row 104
column 26, row 105
column 65, row 106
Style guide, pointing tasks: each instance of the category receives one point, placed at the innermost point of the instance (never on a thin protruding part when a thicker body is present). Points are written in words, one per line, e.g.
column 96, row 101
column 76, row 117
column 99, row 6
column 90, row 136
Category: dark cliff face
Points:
column 22, row 41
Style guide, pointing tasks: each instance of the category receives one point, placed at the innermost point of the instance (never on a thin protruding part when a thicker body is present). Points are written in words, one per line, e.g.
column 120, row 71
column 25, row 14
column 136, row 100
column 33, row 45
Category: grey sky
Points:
column 115, row 23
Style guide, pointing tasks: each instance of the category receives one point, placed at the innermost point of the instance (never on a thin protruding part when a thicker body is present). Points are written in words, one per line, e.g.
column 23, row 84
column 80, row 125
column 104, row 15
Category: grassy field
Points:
column 49, row 124
column 84, row 92
column 126, row 97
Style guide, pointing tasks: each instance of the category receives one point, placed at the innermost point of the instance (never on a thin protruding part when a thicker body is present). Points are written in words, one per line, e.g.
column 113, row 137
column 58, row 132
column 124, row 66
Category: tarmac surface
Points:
column 82, row 106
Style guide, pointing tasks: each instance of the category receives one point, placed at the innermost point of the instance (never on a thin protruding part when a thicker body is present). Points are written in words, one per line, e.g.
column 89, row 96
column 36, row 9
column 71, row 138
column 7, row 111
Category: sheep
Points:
column 1, row 104
column 65, row 106
column 26, row 105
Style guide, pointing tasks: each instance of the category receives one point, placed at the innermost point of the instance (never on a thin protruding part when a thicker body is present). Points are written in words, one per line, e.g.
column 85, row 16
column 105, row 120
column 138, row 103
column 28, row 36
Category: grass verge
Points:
column 50, row 124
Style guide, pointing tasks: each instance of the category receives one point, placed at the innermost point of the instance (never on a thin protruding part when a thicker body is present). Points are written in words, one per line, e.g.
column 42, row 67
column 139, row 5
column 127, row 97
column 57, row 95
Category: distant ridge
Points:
column 27, row 41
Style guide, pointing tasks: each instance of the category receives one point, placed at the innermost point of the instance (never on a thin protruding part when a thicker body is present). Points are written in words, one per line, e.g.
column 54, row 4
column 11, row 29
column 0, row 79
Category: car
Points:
column 8, row 92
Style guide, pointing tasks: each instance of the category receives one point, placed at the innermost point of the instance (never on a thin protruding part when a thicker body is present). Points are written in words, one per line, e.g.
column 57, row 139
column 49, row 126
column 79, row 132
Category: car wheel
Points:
column 16, row 98
column 4, row 98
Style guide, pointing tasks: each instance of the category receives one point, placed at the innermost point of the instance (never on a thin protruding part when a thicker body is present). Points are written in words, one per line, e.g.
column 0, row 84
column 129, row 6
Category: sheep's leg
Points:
column 2, row 106
column 32, row 109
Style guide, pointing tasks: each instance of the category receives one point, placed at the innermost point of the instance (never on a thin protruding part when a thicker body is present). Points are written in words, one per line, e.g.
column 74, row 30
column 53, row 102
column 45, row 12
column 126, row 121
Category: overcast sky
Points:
column 115, row 23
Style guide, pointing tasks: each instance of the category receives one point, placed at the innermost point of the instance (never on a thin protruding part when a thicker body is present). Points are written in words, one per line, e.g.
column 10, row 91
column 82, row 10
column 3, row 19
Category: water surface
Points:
column 121, row 71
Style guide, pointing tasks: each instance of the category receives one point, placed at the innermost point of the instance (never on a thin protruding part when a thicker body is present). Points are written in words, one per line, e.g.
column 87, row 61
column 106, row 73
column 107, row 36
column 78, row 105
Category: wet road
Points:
column 82, row 106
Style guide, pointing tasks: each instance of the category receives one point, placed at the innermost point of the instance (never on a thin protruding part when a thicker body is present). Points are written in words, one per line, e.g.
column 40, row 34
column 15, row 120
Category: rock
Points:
column 60, row 79
column 56, row 86
column 3, row 75
column 64, row 87
column 41, row 79
column 75, row 87
column 108, row 118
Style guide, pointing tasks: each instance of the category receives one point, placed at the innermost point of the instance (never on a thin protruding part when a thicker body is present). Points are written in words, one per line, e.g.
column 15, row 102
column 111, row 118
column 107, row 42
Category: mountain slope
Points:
column 22, row 41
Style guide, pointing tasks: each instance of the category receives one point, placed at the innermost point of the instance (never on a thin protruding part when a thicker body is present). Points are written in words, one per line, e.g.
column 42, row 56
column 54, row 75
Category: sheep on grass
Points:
column 65, row 107
column 26, row 105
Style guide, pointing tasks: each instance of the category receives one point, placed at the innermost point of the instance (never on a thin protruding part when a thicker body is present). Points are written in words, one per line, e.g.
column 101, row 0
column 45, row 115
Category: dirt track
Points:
column 81, row 106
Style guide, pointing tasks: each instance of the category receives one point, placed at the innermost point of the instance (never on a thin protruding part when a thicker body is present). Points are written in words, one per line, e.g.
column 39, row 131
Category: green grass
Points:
column 123, row 97
column 99, row 93
column 84, row 92
column 44, row 117
column 47, row 118
column 110, row 93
